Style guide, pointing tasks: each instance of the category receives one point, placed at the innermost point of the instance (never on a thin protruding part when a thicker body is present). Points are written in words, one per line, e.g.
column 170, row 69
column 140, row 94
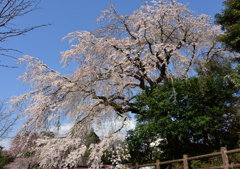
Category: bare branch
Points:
column 6, row 122
column 10, row 10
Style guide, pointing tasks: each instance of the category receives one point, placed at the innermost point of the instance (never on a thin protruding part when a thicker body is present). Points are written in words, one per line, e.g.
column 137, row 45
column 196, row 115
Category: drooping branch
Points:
column 7, row 122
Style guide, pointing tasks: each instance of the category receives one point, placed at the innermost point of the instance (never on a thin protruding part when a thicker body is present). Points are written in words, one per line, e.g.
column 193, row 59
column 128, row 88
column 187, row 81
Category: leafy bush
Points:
column 6, row 159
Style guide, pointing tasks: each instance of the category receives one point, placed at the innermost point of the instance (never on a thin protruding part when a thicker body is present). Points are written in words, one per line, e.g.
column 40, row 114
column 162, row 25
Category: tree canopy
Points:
column 230, row 21
column 123, row 56
column 198, row 117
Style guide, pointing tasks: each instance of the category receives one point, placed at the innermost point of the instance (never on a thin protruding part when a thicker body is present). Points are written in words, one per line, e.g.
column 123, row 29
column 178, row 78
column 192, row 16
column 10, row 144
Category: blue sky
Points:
column 66, row 16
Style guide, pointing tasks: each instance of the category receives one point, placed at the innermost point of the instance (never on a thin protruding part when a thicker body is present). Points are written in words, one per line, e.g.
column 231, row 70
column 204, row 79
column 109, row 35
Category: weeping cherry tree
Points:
column 123, row 56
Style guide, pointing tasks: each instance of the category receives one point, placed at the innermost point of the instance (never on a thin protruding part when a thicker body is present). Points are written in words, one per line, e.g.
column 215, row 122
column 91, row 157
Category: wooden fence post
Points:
column 136, row 166
column 224, row 157
column 157, row 164
column 185, row 161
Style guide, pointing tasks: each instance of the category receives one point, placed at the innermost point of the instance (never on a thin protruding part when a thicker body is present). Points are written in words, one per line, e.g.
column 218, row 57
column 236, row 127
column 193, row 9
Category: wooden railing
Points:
column 223, row 153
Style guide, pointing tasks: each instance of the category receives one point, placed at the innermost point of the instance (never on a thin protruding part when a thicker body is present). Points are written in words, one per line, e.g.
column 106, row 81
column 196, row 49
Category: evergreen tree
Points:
column 194, row 116
column 91, row 138
column 230, row 21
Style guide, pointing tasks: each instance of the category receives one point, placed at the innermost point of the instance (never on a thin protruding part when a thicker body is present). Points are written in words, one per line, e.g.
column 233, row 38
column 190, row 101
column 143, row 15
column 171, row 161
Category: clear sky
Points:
column 66, row 16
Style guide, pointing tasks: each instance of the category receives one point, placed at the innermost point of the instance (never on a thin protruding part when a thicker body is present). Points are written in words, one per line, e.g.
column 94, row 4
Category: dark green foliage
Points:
column 105, row 157
column 28, row 154
column 230, row 21
column 219, row 66
column 47, row 134
column 5, row 159
column 235, row 76
column 139, row 145
column 198, row 118
column 91, row 137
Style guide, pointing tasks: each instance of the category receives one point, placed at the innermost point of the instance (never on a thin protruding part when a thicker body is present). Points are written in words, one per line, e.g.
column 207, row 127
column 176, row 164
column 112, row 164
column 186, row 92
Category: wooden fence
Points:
column 223, row 153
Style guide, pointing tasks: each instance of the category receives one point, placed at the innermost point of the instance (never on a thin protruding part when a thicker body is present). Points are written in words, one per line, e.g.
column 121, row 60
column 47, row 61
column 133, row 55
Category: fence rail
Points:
column 223, row 153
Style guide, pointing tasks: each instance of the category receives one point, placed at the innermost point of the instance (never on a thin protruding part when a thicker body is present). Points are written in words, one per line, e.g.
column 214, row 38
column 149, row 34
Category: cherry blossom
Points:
column 123, row 56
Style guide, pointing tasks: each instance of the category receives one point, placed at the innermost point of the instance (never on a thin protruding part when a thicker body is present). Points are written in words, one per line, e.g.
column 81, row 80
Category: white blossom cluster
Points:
column 52, row 152
column 117, row 155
